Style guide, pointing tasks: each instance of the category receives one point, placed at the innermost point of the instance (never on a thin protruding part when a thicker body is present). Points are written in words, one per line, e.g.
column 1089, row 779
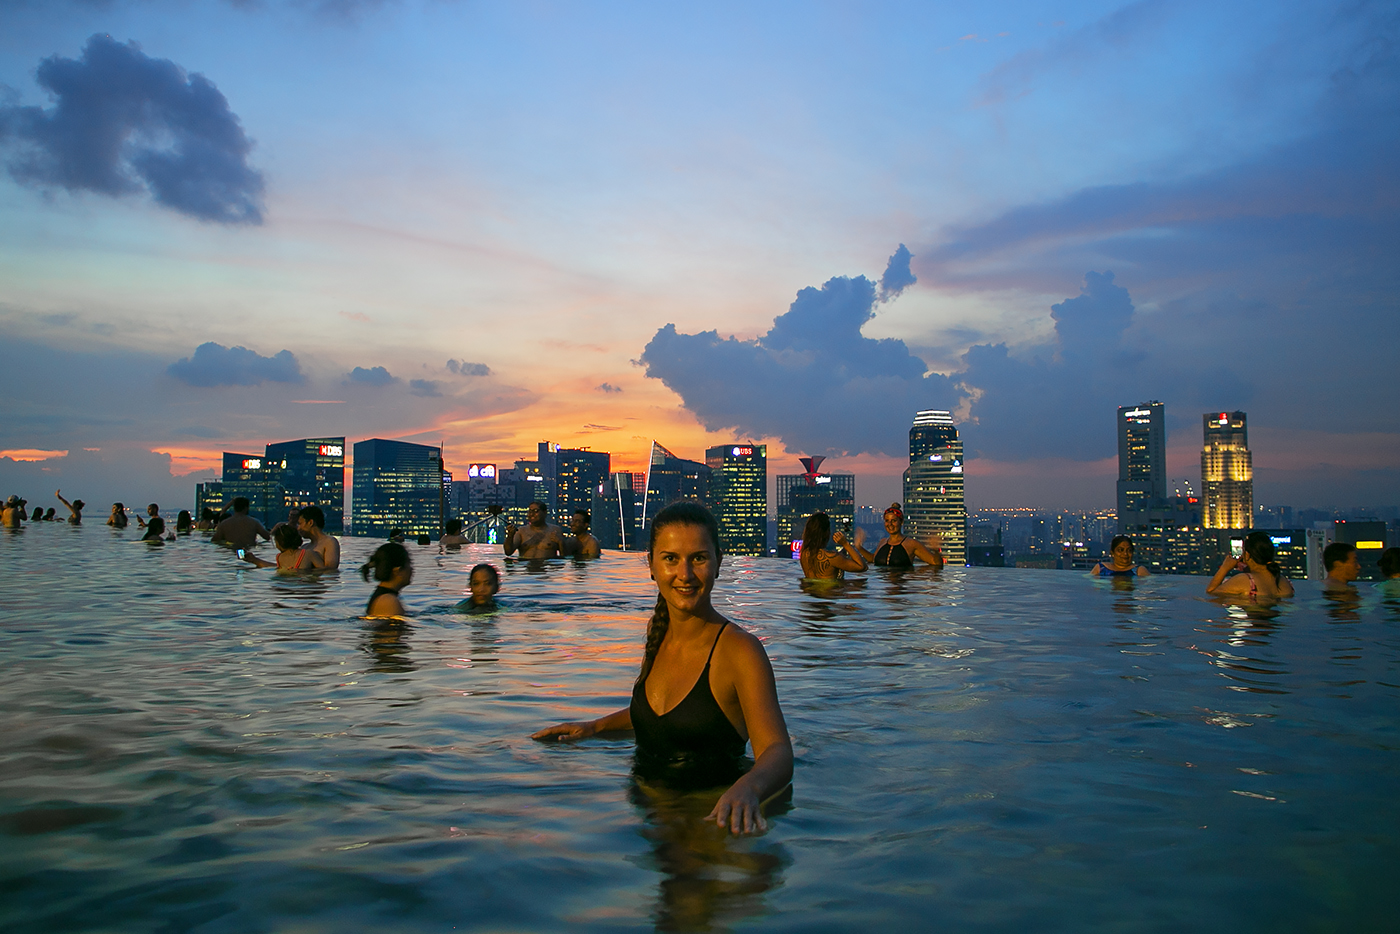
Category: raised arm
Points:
column 921, row 551
column 59, row 494
column 860, row 546
column 740, row 808
column 510, row 544
column 852, row 560
column 1218, row 583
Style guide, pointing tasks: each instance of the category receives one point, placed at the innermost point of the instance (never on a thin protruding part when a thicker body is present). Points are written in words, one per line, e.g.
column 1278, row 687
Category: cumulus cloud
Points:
column 898, row 275
column 463, row 368
column 813, row 380
column 374, row 376
column 216, row 365
column 123, row 123
column 427, row 388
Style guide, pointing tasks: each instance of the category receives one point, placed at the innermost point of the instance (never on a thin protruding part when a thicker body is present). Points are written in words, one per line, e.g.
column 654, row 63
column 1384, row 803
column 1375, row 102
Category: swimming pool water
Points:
column 192, row 745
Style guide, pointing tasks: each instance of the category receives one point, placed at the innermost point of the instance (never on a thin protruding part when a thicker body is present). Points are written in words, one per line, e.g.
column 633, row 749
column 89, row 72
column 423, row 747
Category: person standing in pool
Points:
column 538, row 539
column 311, row 522
column 820, row 564
column 152, row 512
column 240, row 529
column 155, row 530
column 1343, row 565
column 711, row 678
column 394, row 571
column 75, row 508
column 1120, row 562
column 452, row 536
column 291, row 557
column 118, row 519
column 1259, row 575
column 897, row 551
column 580, row 542
column 184, row 522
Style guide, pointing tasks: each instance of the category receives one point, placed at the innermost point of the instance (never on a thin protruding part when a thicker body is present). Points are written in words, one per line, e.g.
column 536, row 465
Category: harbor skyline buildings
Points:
column 934, row 502
column 1227, row 472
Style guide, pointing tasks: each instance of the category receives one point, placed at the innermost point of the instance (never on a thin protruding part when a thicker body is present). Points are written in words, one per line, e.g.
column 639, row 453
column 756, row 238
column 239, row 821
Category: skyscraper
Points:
column 248, row 476
column 802, row 495
column 309, row 472
column 1142, row 460
column 1227, row 472
column 579, row 477
column 398, row 485
column 738, row 496
column 933, row 484
column 670, row 479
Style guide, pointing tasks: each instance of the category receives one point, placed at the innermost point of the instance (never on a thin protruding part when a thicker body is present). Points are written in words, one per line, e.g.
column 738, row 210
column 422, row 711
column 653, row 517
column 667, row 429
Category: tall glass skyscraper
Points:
column 738, row 496
column 309, row 472
column 802, row 495
column 670, row 479
column 1227, row 472
column 397, row 485
column 933, row 484
column 1142, row 460
column 579, row 477
column 248, row 476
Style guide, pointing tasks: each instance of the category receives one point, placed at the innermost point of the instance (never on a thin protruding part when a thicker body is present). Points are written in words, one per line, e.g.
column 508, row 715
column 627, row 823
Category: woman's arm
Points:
column 59, row 494
column 617, row 720
column 1218, row 584
column 853, row 560
column 1285, row 587
column 920, row 551
column 860, row 546
column 1142, row 571
column 740, row 808
column 258, row 562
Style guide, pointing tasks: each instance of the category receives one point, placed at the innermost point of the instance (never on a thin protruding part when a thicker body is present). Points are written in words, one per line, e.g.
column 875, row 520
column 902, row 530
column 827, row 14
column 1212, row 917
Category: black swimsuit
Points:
column 694, row 737
column 886, row 556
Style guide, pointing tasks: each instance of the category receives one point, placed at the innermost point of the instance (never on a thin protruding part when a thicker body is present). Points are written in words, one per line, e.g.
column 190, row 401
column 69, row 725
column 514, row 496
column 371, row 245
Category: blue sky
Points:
column 535, row 192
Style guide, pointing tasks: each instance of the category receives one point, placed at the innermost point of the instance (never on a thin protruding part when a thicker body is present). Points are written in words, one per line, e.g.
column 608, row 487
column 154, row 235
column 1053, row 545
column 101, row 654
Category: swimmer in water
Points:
column 184, row 522
column 291, row 557
column 483, row 584
column 712, row 680
column 75, row 508
column 1121, row 563
column 1258, row 574
column 394, row 571
column 118, row 519
column 155, row 530
column 897, row 551
column 820, row 564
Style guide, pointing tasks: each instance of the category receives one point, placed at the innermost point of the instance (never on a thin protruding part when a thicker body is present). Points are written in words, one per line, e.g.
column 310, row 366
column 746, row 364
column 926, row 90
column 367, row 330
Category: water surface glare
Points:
column 193, row 745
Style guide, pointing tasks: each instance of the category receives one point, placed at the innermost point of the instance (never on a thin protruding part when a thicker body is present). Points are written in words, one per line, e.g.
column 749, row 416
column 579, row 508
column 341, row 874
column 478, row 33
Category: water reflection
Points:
column 1247, row 631
column 709, row 877
column 1343, row 606
column 386, row 642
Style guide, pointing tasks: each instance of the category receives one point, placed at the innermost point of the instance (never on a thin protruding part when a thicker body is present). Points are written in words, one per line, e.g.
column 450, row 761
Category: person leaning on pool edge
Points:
column 897, row 551
column 712, row 679
column 1120, row 562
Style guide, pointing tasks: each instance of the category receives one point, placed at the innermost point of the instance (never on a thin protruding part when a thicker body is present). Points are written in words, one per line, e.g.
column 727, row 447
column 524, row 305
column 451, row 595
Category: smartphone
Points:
column 242, row 553
column 1236, row 546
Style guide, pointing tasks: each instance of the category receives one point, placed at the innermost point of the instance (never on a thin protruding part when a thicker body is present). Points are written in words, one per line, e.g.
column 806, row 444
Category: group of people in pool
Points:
column 895, row 550
column 14, row 512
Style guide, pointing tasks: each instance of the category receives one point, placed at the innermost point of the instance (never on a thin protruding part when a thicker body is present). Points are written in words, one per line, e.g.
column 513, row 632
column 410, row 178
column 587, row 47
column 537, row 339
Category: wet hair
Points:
column 452, row 526
column 816, row 532
column 286, row 537
column 1336, row 553
column 240, row 504
column 683, row 513
column 489, row 569
column 207, row 515
column 387, row 559
column 118, row 507
column 1261, row 549
column 1118, row 540
column 183, row 520
column 425, row 539
column 314, row 515
column 1390, row 562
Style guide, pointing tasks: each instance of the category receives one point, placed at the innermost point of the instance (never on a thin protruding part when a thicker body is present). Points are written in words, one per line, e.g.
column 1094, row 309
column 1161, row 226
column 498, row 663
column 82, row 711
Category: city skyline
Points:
column 479, row 227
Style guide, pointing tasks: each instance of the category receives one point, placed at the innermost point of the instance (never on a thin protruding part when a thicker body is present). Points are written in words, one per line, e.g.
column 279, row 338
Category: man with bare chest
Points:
column 538, row 539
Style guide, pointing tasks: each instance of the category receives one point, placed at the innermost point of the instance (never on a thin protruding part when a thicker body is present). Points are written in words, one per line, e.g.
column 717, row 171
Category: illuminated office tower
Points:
column 933, row 484
column 398, row 485
column 248, row 476
column 208, row 495
column 1227, row 472
column 800, row 496
column 738, row 496
column 579, row 477
column 309, row 472
column 670, row 479
column 1142, row 461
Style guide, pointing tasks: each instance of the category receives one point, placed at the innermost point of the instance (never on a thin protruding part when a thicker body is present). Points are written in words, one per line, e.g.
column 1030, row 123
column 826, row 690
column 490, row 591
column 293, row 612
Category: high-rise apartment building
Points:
column 308, row 472
column 738, row 496
column 1142, row 460
column 933, row 484
column 1227, row 472
column 802, row 495
column 670, row 479
column 397, row 485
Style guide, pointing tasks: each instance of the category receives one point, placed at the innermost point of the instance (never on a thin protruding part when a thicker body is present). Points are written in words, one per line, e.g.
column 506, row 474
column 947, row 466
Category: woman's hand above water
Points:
column 568, row 732
column 739, row 810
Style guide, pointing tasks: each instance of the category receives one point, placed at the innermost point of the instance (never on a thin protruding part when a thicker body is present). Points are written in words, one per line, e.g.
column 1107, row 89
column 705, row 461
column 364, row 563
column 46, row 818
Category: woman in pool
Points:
column 75, row 508
column 820, row 564
column 184, row 523
column 897, row 551
column 1120, row 564
column 711, row 678
column 484, row 583
column 118, row 519
column 394, row 571
column 291, row 557
column 1259, row 574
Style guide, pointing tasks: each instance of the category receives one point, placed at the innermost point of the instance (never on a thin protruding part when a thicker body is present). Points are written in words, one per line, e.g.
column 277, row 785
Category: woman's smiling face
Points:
column 684, row 565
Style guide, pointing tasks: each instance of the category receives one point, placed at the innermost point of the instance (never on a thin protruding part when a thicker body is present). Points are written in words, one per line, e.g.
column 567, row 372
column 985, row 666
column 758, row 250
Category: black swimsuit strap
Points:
column 715, row 644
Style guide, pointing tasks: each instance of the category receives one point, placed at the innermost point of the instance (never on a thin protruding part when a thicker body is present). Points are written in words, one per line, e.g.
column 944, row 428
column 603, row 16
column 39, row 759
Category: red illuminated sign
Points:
column 743, row 452
column 330, row 450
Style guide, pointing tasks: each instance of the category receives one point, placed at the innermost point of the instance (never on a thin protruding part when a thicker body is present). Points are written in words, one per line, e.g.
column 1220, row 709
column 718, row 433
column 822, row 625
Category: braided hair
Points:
column 1259, row 547
column 684, row 513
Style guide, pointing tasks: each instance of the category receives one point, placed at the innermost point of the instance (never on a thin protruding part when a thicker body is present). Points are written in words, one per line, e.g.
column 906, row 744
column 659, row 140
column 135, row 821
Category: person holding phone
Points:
column 291, row 557
column 1257, row 573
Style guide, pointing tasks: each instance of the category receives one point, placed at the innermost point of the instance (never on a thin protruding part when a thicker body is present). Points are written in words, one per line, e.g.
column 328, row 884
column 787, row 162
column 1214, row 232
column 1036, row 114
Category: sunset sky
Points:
column 488, row 225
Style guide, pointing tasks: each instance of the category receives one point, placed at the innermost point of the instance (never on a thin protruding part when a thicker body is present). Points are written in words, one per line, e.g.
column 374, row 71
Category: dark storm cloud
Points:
column 216, row 365
column 427, row 388
column 813, row 380
column 374, row 376
column 123, row 122
column 463, row 368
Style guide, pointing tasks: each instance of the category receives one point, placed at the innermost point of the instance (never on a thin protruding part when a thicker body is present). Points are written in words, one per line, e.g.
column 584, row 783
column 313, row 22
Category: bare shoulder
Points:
column 741, row 647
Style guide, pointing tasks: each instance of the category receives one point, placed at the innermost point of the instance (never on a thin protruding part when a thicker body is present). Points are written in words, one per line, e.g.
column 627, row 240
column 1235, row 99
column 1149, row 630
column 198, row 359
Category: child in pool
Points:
column 484, row 583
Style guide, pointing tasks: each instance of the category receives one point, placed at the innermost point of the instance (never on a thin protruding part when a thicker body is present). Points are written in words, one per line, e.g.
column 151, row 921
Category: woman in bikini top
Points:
column 705, row 685
column 895, row 550
column 291, row 557
column 820, row 564
column 1259, row 577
